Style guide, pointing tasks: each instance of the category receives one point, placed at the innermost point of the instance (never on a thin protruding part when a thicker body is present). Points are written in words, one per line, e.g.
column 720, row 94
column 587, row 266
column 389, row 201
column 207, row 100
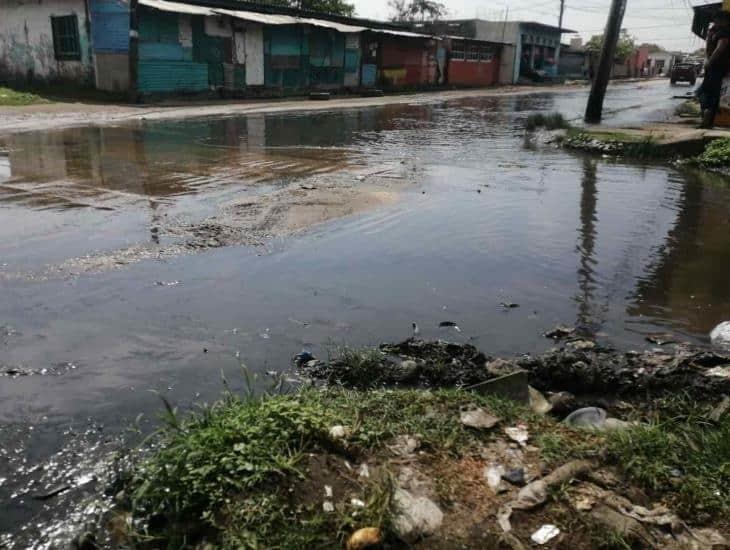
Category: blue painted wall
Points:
column 109, row 26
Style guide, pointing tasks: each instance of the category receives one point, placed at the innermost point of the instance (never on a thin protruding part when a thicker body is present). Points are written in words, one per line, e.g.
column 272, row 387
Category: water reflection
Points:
column 588, row 318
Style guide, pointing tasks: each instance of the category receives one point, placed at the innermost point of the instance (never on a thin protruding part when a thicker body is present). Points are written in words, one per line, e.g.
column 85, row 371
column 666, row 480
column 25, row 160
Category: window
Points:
column 457, row 50
column 472, row 53
column 485, row 55
column 66, row 38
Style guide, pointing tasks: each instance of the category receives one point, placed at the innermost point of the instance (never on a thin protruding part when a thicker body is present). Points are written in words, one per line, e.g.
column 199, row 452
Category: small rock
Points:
column 362, row 539
column 339, row 432
column 509, row 305
column 515, row 476
column 720, row 335
column 302, row 358
column 518, row 434
column 538, row 403
column 562, row 402
column 417, row 516
column 545, row 534
column 661, row 339
column 478, row 419
column 581, row 345
column 449, row 324
column 493, row 475
column 405, row 445
column 559, row 332
column 719, row 411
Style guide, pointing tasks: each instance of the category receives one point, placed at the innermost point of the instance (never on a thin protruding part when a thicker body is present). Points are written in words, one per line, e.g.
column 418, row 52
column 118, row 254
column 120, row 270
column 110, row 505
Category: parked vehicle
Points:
column 683, row 72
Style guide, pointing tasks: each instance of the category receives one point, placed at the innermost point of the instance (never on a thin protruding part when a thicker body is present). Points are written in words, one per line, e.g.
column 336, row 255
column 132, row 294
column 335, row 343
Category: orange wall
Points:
column 473, row 73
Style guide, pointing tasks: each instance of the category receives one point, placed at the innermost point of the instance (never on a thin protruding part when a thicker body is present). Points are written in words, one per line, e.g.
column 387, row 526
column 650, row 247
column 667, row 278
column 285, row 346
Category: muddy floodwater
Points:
column 156, row 255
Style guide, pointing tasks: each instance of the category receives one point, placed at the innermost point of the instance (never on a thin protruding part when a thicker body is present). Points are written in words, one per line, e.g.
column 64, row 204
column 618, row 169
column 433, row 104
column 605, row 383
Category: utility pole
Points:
column 594, row 109
column 560, row 37
column 133, row 50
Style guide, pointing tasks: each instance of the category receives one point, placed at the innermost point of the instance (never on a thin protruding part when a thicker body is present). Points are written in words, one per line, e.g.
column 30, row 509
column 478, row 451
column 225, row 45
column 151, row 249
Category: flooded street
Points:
column 155, row 255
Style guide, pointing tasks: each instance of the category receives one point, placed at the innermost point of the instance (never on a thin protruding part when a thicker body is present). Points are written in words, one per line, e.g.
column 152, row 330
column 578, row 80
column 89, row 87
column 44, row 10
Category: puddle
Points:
column 435, row 212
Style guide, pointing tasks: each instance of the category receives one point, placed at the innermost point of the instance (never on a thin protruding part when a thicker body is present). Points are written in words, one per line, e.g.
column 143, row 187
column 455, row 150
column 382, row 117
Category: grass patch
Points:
column 689, row 108
column 15, row 98
column 233, row 472
column 681, row 455
column 716, row 154
column 551, row 121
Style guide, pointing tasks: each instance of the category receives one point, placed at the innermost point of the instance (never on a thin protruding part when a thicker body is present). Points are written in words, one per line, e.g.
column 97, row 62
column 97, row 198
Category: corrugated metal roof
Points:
column 176, row 7
column 272, row 19
column 265, row 18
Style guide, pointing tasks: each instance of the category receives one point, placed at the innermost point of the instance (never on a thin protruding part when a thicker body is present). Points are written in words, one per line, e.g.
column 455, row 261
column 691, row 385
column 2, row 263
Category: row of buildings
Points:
column 239, row 48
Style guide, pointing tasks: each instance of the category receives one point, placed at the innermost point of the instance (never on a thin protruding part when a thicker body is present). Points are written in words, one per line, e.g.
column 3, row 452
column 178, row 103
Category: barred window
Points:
column 458, row 51
column 66, row 38
column 473, row 53
column 485, row 55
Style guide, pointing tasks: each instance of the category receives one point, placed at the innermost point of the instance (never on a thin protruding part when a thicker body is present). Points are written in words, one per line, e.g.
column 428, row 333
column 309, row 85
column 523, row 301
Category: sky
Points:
column 663, row 22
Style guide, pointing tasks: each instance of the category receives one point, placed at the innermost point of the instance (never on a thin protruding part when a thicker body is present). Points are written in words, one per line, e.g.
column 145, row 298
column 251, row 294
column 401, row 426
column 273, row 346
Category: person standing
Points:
column 717, row 64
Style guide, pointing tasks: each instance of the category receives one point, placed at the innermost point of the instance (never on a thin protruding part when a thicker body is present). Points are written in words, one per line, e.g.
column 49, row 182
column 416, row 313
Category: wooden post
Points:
column 594, row 109
column 133, row 50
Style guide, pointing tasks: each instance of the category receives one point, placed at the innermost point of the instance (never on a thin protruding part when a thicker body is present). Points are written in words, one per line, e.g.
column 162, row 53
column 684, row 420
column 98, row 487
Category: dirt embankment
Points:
column 413, row 445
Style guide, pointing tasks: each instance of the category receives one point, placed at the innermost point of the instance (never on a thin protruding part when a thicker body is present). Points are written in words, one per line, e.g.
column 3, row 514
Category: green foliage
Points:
column 417, row 10
column 624, row 48
column 334, row 7
column 686, row 457
column 716, row 154
column 551, row 121
column 14, row 98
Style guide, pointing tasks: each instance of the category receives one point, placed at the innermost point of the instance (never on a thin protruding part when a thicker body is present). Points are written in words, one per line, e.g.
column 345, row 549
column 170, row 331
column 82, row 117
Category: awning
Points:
column 273, row 19
column 176, row 7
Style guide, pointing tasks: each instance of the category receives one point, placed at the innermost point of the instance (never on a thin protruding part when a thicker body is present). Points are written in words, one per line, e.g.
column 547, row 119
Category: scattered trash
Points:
column 661, row 339
column 302, row 358
column 449, row 324
column 167, row 283
column 479, row 419
column 416, row 330
column 357, row 503
column 417, row 516
column 538, row 403
column 493, row 475
column 588, row 417
column 265, row 334
column 339, row 432
column 362, row 539
column 405, row 445
column 364, row 471
column 307, row 187
column 720, row 372
column 328, row 507
column 581, row 345
column 562, row 402
column 560, row 332
column 55, row 491
column 720, row 335
column 518, row 434
column 536, row 493
column 545, row 534
column 509, row 305
column 328, row 491
column 515, row 476
column 511, row 386
column 719, row 411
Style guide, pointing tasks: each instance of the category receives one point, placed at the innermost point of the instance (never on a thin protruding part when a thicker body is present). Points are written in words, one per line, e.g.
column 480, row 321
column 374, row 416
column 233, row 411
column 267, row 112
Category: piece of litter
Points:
column 357, row 503
column 545, row 534
column 493, row 475
column 339, row 432
column 328, row 491
column 478, row 419
column 720, row 372
column 364, row 471
column 449, row 324
column 328, row 507
column 518, row 434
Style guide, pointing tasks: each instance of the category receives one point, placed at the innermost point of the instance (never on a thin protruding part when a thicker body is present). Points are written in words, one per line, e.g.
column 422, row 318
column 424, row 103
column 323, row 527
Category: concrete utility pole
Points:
column 133, row 49
column 560, row 37
column 594, row 110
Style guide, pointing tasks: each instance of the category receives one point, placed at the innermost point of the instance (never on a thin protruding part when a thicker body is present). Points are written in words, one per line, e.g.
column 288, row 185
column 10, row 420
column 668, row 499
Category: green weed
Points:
column 551, row 121
column 15, row 98
column 716, row 154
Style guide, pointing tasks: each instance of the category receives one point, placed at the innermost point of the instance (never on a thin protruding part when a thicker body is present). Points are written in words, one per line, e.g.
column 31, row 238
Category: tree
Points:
column 416, row 11
column 334, row 7
column 625, row 47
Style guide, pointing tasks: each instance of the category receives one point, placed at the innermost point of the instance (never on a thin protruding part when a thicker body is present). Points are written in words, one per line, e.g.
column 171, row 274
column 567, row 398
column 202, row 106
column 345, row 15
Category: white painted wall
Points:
column 26, row 40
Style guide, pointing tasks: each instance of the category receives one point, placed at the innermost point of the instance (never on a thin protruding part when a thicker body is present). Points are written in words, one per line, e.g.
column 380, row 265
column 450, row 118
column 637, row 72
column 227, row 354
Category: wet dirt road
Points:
column 155, row 256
